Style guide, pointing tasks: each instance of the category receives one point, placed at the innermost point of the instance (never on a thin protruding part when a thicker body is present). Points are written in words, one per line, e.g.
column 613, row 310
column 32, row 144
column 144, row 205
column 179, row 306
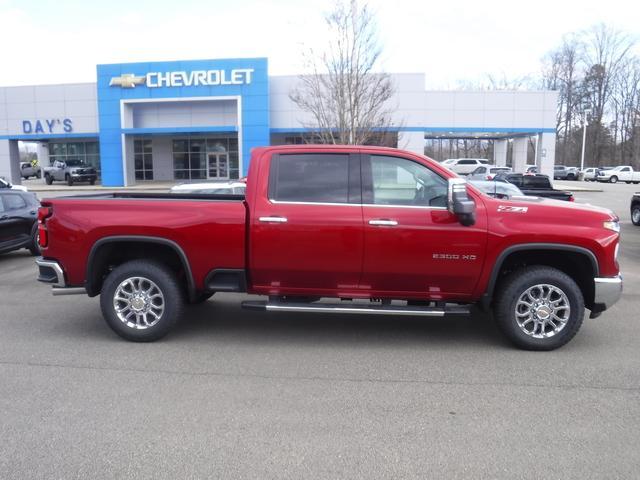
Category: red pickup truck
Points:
column 337, row 229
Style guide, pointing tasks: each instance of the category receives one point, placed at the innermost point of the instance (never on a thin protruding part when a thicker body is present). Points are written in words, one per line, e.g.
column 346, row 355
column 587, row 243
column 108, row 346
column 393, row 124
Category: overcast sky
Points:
column 456, row 41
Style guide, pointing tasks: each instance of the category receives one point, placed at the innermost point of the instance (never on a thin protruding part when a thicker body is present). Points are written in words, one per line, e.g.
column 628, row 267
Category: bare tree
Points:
column 604, row 56
column 346, row 97
column 561, row 72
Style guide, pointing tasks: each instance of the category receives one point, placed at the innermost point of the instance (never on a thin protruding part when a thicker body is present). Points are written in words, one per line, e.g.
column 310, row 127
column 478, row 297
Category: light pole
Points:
column 584, row 137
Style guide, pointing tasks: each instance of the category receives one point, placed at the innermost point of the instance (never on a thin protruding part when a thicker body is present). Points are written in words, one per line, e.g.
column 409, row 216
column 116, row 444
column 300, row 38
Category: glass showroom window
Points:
column 86, row 152
column 143, row 159
column 205, row 158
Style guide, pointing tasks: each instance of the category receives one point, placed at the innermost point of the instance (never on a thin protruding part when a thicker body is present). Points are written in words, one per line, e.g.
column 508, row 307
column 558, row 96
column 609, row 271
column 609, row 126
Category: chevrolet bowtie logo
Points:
column 127, row 80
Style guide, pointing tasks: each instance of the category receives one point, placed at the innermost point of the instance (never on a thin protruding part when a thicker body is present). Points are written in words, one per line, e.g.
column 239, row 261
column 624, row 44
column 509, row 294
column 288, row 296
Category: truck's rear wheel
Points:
column 48, row 178
column 613, row 179
column 539, row 308
column 141, row 300
column 69, row 180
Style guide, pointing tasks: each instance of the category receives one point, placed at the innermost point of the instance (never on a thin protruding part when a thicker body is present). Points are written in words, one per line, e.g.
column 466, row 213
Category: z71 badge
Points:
column 512, row 209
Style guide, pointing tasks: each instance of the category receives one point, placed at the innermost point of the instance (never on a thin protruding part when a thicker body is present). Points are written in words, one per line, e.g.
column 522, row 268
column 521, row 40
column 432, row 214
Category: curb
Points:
column 571, row 188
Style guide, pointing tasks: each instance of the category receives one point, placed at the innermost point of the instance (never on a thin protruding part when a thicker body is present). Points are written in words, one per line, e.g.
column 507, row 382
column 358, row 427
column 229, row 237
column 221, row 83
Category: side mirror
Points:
column 460, row 204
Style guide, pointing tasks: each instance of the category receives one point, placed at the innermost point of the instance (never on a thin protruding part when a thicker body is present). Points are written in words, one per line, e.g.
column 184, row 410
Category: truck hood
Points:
column 559, row 207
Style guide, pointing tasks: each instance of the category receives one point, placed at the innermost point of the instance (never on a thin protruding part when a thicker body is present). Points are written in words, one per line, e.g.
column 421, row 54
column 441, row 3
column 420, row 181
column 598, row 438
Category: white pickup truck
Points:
column 623, row 173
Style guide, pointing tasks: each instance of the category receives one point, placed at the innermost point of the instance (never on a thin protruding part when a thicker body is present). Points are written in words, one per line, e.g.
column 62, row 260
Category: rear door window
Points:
column 312, row 177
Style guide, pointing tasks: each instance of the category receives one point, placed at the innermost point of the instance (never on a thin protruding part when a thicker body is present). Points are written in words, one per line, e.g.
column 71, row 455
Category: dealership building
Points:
column 199, row 119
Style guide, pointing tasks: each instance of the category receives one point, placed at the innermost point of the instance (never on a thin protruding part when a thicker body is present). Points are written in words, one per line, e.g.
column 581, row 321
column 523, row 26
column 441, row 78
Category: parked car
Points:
column 487, row 172
column 345, row 222
column 497, row 189
column 7, row 185
column 232, row 187
column 70, row 171
column 535, row 185
column 18, row 221
column 589, row 174
column 622, row 173
column 464, row 166
column 635, row 209
column 28, row 170
column 561, row 172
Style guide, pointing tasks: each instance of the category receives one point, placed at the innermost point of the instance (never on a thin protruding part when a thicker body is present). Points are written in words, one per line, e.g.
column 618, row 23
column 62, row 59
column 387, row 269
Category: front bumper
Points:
column 84, row 177
column 608, row 291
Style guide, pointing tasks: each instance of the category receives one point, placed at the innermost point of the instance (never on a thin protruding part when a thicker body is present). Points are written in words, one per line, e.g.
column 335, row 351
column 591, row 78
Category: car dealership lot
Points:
column 233, row 393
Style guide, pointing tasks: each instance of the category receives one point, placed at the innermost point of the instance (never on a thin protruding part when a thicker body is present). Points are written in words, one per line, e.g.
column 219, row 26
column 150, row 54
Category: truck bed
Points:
column 209, row 229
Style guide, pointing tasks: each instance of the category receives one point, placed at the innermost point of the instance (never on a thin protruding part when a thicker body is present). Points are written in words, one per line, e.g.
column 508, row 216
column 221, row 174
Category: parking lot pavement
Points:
column 240, row 394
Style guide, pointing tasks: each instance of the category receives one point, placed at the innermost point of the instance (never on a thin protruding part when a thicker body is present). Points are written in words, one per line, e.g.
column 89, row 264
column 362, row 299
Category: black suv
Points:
column 18, row 221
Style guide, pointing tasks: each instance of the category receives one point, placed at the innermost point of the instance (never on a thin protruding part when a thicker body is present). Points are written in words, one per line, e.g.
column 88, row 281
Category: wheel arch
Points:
column 102, row 251
column 578, row 262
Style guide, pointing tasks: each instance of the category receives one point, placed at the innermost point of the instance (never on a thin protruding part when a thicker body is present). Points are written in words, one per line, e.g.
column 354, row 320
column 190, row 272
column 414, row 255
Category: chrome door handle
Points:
column 273, row 219
column 388, row 223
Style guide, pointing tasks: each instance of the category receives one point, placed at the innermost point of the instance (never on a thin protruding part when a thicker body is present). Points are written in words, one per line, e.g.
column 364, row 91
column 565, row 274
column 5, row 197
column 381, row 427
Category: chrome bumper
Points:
column 50, row 272
column 607, row 292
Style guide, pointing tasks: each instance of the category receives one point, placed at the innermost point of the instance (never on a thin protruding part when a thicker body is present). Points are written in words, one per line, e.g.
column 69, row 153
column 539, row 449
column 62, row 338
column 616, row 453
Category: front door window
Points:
column 218, row 165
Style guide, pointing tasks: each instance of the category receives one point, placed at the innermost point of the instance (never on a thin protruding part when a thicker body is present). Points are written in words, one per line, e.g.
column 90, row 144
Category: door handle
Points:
column 273, row 219
column 388, row 223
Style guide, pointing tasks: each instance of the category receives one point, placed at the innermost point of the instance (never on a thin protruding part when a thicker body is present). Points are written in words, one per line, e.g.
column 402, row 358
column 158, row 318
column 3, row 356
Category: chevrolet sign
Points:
column 239, row 76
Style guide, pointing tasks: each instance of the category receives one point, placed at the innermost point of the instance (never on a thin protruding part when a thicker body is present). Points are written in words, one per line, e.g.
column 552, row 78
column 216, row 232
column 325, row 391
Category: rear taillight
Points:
column 43, row 235
column 489, row 177
column 571, row 199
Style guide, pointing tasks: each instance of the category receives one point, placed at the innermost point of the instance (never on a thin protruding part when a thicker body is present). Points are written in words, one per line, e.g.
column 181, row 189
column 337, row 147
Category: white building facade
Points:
column 193, row 120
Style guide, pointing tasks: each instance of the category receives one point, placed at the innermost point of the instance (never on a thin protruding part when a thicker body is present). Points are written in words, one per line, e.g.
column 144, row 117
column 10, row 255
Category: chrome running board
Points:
column 357, row 309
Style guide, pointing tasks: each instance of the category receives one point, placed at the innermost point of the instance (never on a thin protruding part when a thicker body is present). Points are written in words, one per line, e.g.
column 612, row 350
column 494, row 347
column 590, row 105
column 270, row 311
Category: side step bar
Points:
column 362, row 309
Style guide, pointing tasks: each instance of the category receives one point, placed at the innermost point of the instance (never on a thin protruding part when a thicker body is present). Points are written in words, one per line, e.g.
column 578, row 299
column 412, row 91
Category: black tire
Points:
column 515, row 285
column 39, row 175
column 613, row 179
column 628, row 183
column 92, row 182
column 34, row 247
column 48, row 179
column 203, row 297
column 635, row 215
column 69, row 180
column 165, row 282
column 571, row 177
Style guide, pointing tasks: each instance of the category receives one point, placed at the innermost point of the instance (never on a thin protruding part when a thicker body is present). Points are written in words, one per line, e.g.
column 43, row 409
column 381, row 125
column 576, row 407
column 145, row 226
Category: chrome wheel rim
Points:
column 635, row 215
column 542, row 311
column 138, row 303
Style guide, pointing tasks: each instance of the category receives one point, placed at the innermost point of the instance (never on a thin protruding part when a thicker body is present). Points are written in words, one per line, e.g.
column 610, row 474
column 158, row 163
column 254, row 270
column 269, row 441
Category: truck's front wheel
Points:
column 539, row 308
column 141, row 300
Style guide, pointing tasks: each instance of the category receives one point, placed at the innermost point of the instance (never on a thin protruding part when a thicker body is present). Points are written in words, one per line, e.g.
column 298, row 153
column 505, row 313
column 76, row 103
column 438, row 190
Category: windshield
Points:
column 74, row 163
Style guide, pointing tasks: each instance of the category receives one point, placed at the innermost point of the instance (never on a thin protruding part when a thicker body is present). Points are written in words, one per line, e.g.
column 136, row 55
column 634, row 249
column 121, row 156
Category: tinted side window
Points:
column 467, row 162
column 535, row 181
column 14, row 202
column 515, row 179
column 313, row 177
column 398, row 181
